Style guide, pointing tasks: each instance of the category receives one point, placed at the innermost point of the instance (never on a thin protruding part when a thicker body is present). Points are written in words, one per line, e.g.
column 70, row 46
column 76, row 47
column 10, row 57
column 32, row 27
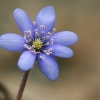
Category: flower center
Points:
column 38, row 44
column 40, row 40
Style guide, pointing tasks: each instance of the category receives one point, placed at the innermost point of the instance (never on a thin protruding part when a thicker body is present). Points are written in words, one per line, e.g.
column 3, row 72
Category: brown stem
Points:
column 22, row 85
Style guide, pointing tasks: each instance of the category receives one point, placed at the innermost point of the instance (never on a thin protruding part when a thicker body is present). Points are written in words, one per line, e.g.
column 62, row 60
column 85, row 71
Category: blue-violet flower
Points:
column 38, row 41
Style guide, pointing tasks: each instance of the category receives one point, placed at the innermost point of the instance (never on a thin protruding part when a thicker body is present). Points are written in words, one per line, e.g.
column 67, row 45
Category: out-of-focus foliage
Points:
column 4, row 94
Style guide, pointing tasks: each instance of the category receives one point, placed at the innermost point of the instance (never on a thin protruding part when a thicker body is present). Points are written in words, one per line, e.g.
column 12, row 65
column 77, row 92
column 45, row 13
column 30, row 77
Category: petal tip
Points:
column 54, row 78
column 71, row 53
column 74, row 37
column 49, row 7
column 21, row 68
column 48, row 66
column 26, row 61
column 46, row 17
column 12, row 42
column 23, row 21
column 17, row 10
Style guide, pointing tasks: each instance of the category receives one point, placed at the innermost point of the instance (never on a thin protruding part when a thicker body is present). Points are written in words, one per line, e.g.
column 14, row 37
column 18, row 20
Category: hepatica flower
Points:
column 39, row 41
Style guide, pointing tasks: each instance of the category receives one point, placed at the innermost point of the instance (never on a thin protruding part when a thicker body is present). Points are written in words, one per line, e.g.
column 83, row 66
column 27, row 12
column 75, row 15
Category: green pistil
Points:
column 38, row 44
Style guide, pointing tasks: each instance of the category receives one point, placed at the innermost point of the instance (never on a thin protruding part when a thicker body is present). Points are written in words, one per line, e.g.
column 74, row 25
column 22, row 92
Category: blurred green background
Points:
column 79, row 77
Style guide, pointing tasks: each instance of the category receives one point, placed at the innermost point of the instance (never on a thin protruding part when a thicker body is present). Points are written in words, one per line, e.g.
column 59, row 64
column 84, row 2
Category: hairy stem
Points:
column 22, row 85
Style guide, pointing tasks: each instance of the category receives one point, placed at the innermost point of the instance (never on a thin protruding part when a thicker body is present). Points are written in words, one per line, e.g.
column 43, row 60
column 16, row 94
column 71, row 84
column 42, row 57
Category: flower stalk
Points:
column 22, row 85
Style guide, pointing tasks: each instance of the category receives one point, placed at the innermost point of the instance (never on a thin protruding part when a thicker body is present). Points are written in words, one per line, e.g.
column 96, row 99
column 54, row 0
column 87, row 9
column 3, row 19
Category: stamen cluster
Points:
column 38, row 42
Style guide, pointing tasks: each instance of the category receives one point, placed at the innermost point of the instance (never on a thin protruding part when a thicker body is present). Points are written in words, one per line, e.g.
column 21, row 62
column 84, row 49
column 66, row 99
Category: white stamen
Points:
column 42, row 26
column 47, row 37
column 54, row 30
column 36, row 30
column 25, row 32
column 43, row 38
column 49, row 33
column 34, row 23
column 33, row 46
column 44, row 51
column 38, row 52
column 37, row 34
column 42, row 32
column 51, row 41
column 29, row 32
column 27, row 41
column 24, row 37
column 41, row 58
column 47, row 43
column 50, row 49
column 27, row 46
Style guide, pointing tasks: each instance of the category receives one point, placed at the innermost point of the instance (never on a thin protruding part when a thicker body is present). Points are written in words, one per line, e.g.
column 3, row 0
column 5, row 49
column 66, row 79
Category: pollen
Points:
column 38, row 44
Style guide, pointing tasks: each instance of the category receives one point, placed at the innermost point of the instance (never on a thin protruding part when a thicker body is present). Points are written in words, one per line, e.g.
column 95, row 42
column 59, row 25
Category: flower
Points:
column 39, row 43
